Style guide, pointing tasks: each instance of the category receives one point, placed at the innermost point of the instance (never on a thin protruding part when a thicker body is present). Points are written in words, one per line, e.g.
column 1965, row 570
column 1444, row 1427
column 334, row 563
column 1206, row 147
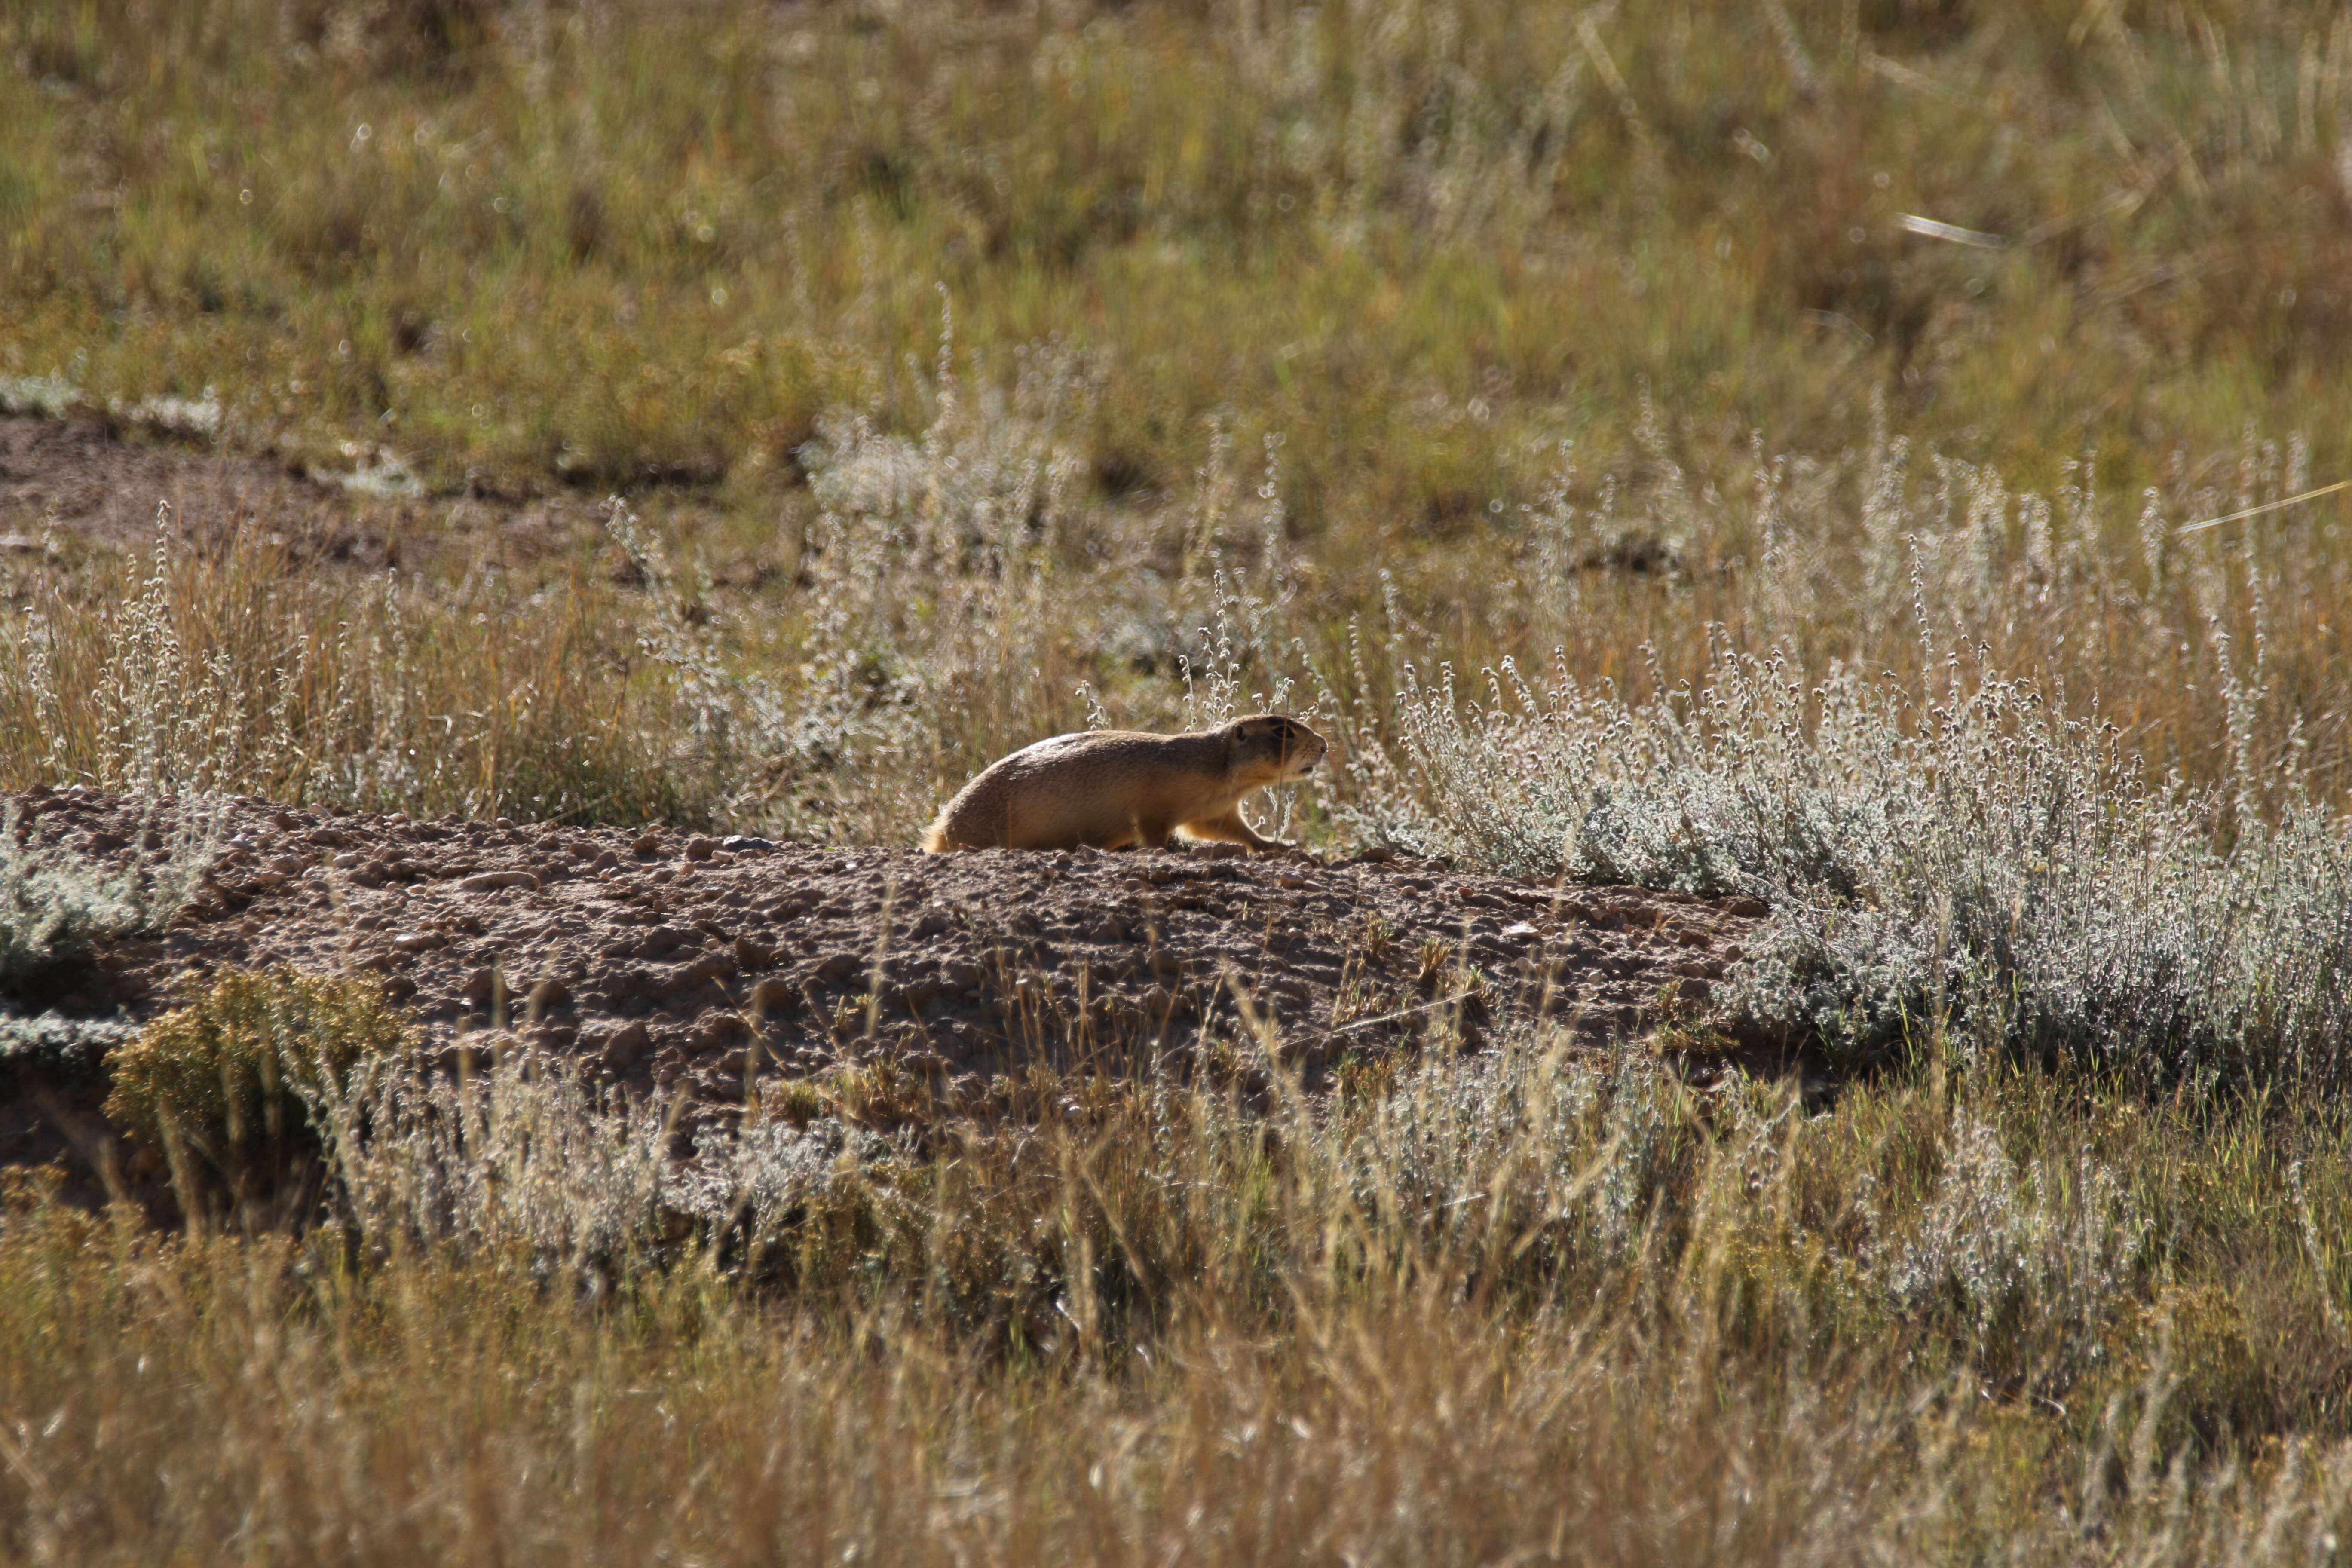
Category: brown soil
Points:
column 81, row 484
column 661, row 958
column 76, row 477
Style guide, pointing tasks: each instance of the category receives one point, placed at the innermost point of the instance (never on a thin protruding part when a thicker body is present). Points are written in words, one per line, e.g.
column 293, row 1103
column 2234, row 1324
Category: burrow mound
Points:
column 662, row 958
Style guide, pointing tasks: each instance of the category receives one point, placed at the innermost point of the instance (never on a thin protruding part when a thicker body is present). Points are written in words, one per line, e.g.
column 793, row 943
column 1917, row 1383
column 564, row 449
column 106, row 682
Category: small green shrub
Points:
column 54, row 905
column 230, row 1075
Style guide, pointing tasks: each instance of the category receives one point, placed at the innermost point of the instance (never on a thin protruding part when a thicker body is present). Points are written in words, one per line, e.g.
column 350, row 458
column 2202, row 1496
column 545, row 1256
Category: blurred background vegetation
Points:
column 618, row 244
column 1532, row 328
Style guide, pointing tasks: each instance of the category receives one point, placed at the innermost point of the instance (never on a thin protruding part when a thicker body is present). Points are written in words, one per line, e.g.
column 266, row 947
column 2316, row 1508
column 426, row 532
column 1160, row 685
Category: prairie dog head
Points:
column 1267, row 748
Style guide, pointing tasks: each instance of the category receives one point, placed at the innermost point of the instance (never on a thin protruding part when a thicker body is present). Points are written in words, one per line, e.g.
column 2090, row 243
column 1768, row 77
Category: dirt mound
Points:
column 665, row 959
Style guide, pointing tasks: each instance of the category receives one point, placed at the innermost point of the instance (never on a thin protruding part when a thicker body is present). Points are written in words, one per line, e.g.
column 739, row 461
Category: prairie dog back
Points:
column 1110, row 788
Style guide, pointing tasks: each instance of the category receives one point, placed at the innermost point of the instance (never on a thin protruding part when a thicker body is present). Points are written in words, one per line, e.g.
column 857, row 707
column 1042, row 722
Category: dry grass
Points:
column 236, row 670
column 1533, row 1308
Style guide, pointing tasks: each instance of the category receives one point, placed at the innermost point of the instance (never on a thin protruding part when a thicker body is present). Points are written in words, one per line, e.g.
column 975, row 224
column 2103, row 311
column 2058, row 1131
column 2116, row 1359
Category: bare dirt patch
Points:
column 658, row 958
column 78, row 480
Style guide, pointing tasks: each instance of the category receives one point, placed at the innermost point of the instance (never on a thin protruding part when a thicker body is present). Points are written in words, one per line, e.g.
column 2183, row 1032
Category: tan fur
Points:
column 1111, row 788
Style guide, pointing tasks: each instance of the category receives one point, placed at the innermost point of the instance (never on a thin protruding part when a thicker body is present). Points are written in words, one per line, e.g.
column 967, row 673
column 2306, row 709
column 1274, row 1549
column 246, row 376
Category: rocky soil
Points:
column 691, row 961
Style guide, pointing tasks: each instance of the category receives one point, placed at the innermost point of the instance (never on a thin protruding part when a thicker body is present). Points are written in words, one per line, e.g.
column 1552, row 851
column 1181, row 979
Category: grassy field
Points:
column 1761, row 448
column 1579, row 330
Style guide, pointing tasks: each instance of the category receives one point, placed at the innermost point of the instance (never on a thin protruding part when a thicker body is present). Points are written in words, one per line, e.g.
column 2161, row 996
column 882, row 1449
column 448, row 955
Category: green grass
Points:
column 656, row 241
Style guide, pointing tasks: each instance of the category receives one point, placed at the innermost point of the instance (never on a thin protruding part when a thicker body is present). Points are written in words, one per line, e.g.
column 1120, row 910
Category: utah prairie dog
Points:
column 1111, row 788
